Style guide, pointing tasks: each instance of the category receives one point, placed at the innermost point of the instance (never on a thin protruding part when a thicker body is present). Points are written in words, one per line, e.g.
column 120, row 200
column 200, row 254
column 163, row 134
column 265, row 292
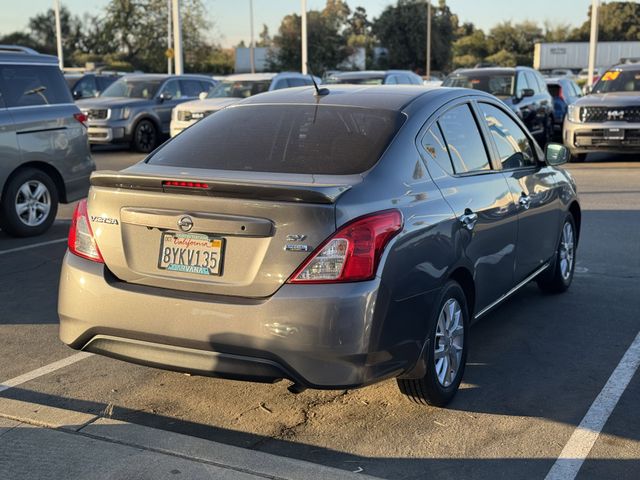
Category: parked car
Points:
column 333, row 239
column 88, row 85
column 136, row 109
column 45, row 155
column 376, row 77
column 231, row 90
column 523, row 89
column 562, row 72
column 583, row 75
column 565, row 92
column 607, row 120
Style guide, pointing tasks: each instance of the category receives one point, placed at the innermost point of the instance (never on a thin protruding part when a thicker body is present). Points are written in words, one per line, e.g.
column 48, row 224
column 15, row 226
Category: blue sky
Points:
column 232, row 23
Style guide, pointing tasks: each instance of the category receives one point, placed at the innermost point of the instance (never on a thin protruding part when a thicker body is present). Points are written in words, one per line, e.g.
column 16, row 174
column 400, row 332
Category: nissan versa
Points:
column 334, row 238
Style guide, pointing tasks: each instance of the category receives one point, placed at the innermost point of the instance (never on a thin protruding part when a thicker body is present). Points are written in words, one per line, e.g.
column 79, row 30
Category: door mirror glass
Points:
column 165, row 96
column 556, row 154
column 202, row 95
column 527, row 92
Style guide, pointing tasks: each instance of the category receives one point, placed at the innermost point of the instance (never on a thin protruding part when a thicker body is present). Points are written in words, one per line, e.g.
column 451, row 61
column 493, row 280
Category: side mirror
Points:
column 528, row 92
column 556, row 154
column 586, row 90
column 76, row 95
column 202, row 95
column 164, row 96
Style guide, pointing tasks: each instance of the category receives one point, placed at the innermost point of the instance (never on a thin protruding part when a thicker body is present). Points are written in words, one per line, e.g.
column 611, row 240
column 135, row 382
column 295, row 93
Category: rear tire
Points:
column 559, row 275
column 145, row 136
column 29, row 203
column 448, row 341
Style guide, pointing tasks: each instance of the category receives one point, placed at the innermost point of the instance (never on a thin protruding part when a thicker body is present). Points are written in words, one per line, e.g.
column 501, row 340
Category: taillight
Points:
column 81, row 117
column 81, row 240
column 353, row 253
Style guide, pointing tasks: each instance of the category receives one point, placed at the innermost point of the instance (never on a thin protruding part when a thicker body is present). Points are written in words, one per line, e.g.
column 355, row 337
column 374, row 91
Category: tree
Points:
column 402, row 30
column 616, row 21
column 470, row 49
column 516, row 40
column 327, row 47
column 265, row 38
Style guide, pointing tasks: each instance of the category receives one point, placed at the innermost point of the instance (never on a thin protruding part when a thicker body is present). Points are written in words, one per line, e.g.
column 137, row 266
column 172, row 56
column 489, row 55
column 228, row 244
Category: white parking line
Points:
column 33, row 245
column 39, row 372
column 584, row 437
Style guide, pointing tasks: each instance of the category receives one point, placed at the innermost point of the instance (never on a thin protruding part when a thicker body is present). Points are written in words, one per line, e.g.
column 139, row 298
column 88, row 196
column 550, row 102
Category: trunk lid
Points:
column 262, row 226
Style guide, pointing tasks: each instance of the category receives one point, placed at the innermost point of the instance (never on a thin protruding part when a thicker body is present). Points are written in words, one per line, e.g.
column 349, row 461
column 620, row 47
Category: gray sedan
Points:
column 136, row 109
column 334, row 238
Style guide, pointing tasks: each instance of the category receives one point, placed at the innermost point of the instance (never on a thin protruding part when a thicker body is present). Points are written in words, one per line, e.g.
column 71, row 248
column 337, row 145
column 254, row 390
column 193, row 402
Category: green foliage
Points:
column 503, row 58
column 402, row 30
column 617, row 21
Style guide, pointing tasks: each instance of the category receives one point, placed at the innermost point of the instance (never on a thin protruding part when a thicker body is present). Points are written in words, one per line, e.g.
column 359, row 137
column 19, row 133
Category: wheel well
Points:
column 49, row 170
column 574, row 208
column 151, row 119
column 465, row 279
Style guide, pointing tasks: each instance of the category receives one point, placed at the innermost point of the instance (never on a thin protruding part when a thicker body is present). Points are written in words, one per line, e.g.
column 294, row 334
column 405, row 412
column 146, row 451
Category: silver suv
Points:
column 45, row 156
column 136, row 109
column 607, row 120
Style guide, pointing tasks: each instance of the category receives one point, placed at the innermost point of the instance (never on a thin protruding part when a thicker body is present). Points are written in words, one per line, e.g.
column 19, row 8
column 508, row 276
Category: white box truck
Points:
column 575, row 55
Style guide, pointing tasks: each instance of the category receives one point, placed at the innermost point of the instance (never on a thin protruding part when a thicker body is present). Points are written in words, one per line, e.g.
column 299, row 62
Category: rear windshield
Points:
column 305, row 139
column 498, row 84
column 357, row 80
column 32, row 85
column 239, row 89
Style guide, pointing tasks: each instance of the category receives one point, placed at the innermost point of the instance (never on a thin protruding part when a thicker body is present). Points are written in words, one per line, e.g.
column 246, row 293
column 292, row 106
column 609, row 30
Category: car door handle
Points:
column 525, row 201
column 469, row 219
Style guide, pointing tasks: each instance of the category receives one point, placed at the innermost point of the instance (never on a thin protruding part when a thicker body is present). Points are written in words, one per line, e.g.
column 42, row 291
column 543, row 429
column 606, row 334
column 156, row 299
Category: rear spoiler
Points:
column 253, row 190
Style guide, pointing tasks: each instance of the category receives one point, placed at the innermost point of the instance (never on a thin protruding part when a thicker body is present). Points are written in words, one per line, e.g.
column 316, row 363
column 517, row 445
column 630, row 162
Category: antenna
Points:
column 320, row 92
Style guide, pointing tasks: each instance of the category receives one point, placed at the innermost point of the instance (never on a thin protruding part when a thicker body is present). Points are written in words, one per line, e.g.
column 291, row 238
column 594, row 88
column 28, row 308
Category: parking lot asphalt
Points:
column 535, row 367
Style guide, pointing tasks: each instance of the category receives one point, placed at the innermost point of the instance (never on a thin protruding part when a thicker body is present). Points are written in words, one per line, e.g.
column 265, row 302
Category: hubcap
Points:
column 449, row 342
column 33, row 203
column 566, row 251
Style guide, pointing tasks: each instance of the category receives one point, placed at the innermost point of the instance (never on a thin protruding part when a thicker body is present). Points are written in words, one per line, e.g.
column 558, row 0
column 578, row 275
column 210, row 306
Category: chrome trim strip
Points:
column 512, row 291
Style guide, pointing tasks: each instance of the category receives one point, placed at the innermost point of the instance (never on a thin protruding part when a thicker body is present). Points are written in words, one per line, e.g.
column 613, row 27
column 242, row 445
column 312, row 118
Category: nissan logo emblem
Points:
column 185, row 223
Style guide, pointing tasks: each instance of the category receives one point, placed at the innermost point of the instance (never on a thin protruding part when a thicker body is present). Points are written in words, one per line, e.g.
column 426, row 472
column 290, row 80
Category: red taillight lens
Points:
column 352, row 253
column 81, row 117
column 177, row 183
column 81, row 240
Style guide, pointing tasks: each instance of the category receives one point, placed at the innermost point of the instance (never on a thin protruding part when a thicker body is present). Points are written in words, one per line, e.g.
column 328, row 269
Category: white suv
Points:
column 231, row 90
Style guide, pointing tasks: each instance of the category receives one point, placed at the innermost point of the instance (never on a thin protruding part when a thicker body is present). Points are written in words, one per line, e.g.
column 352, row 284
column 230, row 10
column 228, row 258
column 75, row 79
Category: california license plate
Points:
column 191, row 253
column 614, row 134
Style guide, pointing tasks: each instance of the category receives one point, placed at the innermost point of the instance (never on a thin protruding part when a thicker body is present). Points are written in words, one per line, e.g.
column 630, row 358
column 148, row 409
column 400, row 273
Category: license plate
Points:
column 614, row 134
column 197, row 115
column 191, row 253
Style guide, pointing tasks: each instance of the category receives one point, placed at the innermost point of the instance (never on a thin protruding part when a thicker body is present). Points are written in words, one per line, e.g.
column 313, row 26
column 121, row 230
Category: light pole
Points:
column 593, row 41
column 304, row 37
column 56, row 5
column 169, row 33
column 252, row 50
column 428, row 69
column 177, row 37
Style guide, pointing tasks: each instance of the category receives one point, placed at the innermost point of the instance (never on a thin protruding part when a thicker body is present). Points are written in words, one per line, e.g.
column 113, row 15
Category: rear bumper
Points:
column 319, row 336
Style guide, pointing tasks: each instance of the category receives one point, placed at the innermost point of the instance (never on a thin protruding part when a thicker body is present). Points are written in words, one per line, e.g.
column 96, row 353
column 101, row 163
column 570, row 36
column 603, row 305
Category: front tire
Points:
column 559, row 275
column 145, row 136
column 446, row 352
column 29, row 203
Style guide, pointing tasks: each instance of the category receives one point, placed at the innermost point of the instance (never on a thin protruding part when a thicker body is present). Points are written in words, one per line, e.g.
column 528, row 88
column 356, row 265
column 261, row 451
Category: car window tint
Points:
column 279, row 84
column 309, row 139
column 576, row 89
column 172, row 87
column 391, row 80
column 297, row 82
column 86, row 88
column 512, row 143
column 104, row 82
column 206, row 86
column 531, row 81
column 521, row 84
column 189, row 88
column 29, row 85
column 542, row 86
column 434, row 144
column 463, row 140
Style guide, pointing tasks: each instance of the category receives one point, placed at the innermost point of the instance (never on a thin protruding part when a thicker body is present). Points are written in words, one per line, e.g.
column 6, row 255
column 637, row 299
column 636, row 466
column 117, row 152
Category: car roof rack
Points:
column 17, row 49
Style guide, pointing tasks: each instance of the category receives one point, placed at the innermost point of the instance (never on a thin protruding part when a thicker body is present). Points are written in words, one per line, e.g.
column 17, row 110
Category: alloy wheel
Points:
column 146, row 136
column 33, row 203
column 566, row 251
column 449, row 342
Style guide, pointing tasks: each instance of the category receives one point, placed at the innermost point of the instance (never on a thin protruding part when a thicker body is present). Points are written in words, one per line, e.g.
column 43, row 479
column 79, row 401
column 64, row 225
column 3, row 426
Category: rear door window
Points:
column 32, row 85
column 306, row 139
column 172, row 87
column 434, row 144
column 512, row 143
column 464, row 141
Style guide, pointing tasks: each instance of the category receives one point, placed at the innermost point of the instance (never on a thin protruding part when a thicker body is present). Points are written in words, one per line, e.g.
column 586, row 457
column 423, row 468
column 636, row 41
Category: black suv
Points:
column 523, row 89
column 88, row 85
